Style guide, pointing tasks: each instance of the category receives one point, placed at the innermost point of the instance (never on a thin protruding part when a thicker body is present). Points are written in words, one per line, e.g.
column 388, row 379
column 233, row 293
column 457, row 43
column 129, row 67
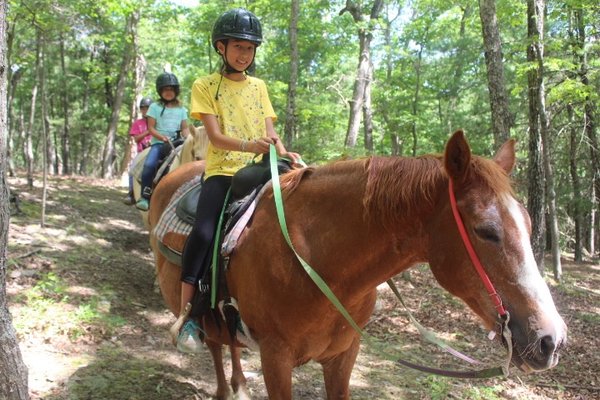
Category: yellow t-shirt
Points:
column 240, row 110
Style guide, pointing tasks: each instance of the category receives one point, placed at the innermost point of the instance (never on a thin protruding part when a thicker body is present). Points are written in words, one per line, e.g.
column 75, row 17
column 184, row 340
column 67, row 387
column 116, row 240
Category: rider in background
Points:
column 141, row 135
column 238, row 116
column 167, row 120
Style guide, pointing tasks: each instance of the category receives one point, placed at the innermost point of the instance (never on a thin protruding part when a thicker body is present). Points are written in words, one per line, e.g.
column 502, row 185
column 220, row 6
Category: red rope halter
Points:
column 474, row 259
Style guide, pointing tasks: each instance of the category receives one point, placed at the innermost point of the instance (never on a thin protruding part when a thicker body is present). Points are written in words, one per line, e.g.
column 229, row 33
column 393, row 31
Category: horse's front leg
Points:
column 238, row 380
column 277, row 367
column 223, row 390
column 337, row 371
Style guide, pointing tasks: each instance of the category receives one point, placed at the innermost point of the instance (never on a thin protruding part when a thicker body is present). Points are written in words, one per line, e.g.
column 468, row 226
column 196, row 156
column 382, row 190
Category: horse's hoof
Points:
column 242, row 394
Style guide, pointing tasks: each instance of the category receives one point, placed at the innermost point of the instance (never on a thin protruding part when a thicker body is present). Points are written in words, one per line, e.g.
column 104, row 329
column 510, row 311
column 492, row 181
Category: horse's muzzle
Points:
column 542, row 351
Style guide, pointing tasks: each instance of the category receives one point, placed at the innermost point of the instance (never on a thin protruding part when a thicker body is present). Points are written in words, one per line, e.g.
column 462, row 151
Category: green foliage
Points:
column 430, row 76
column 437, row 387
column 484, row 393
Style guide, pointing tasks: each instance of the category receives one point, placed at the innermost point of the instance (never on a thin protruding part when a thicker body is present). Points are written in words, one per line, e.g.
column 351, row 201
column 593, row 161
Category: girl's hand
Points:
column 164, row 139
column 261, row 146
column 295, row 159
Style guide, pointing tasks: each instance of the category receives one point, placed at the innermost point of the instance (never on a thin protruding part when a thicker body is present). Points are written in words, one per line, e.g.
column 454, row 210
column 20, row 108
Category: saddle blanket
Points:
column 137, row 165
column 172, row 231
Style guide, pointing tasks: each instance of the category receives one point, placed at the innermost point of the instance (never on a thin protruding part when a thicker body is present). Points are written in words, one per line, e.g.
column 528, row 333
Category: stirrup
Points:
column 189, row 340
column 176, row 328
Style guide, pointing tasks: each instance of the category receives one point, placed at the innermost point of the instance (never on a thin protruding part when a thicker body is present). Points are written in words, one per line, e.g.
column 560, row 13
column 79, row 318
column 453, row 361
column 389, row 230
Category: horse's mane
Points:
column 290, row 180
column 397, row 185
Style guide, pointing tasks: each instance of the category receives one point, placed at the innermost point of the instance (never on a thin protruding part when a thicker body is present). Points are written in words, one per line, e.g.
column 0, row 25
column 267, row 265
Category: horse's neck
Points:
column 368, row 216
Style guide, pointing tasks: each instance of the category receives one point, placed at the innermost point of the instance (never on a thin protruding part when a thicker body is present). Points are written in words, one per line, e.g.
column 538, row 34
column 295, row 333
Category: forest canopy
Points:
column 78, row 70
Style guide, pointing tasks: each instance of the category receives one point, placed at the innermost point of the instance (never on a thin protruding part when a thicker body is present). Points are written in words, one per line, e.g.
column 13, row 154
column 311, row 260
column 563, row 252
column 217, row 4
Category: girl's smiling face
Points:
column 238, row 53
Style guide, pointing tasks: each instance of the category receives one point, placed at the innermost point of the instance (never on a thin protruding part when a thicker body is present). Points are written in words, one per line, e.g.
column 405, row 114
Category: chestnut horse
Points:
column 359, row 223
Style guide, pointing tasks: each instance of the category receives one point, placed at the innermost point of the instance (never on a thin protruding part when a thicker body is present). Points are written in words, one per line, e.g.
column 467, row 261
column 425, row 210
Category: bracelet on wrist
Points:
column 243, row 145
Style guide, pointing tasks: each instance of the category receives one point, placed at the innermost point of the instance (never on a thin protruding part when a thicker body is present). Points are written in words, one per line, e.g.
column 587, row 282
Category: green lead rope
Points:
column 215, row 256
column 485, row 373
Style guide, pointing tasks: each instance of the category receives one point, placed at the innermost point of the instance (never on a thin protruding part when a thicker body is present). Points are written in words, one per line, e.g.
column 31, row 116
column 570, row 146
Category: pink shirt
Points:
column 140, row 126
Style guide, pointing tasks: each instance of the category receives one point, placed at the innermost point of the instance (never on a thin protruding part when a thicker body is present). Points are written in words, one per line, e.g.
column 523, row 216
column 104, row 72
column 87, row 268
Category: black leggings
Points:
column 198, row 247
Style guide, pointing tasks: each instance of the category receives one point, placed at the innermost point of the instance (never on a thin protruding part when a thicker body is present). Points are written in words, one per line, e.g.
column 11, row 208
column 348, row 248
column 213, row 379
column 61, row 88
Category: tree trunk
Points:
column 589, row 127
column 291, row 128
column 109, row 156
column 593, row 220
column 546, row 145
column 390, row 123
column 415, row 102
column 13, row 372
column 501, row 117
column 551, row 194
column 28, row 142
column 47, row 151
column 576, row 202
column 12, row 121
column 87, row 125
column 368, row 111
column 13, row 79
column 535, row 170
column 64, row 139
column 140, row 80
column 365, row 36
column 358, row 92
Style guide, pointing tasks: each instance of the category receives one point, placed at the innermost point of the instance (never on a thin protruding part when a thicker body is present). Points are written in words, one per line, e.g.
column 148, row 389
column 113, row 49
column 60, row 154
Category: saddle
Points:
column 167, row 155
column 177, row 220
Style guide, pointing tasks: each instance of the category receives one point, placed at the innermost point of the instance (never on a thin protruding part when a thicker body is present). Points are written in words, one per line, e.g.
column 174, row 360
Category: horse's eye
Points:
column 488, row 233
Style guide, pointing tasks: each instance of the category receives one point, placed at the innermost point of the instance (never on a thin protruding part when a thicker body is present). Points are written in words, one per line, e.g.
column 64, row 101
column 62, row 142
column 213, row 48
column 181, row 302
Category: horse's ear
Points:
column 505, row 157
column 457, row 157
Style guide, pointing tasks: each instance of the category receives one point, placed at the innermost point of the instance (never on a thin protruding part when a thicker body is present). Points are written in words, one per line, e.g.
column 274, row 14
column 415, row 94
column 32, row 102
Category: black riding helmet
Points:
column 167, row 79
column 237, row 23
column 145, row 102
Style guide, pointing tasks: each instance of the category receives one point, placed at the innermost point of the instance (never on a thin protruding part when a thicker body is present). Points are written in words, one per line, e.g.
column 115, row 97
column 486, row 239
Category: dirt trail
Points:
column 92, row 326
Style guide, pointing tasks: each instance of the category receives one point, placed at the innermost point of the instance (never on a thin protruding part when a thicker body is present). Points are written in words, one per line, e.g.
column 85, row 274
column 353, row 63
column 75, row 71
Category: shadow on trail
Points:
column 117, row 375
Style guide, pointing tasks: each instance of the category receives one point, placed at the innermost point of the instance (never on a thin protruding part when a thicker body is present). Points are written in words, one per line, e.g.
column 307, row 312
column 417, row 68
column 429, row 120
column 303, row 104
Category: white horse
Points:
column 194, row 148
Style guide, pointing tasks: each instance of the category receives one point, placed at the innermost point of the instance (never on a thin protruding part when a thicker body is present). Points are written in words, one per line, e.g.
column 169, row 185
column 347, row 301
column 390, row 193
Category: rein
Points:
column 322, row 285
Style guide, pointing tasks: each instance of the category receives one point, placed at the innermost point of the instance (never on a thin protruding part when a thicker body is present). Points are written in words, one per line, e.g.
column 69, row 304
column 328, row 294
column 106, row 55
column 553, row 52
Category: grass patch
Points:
column 588, row 317
column 438, row 387
column 53, row 310
column 115, row 374
column 483, row 393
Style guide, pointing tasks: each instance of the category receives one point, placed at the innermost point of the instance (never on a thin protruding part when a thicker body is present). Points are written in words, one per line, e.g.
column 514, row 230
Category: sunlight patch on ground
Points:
column 123, row 224
column 82, row 291
column 35, row 235
column 158, row 318
column 49, row 367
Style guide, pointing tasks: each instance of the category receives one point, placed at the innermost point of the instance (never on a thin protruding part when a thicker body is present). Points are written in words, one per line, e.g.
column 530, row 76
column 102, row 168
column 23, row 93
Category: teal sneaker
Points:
column 142, row 204
column 188, row 340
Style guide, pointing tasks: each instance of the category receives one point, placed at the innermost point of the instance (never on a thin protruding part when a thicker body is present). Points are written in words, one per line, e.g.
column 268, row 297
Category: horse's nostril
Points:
column 547, row 346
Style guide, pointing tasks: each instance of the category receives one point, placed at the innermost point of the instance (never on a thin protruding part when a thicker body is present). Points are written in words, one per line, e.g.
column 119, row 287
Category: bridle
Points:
column 473, row 255
column 503, row 314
